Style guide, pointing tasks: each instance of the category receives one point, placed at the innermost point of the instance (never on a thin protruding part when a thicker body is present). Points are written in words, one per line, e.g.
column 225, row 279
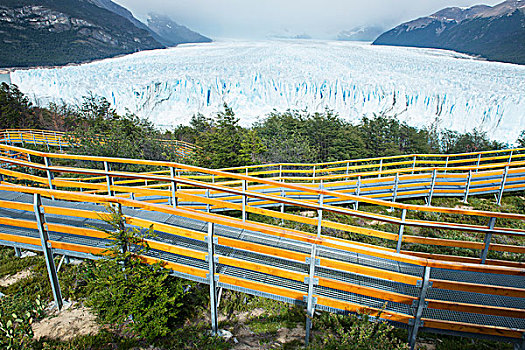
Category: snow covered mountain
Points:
column 496, row 33
column 421, row 86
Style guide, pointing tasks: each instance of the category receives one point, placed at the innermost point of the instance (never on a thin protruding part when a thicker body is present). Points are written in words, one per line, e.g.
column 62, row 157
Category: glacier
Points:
column 420, row 86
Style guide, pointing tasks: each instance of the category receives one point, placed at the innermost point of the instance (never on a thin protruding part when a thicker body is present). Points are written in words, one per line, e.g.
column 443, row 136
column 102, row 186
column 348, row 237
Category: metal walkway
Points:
column 200, row 239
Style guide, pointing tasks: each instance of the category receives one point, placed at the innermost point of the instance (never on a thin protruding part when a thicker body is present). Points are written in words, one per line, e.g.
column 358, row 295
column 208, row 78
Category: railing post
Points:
column 478, row 163
column 401, row 230
column 174, row 200
column 446, row 164
column 510, row 156
column 347, row 168
column 414, row 164
column 48, row 253
column 310, row 300
column 421, row 305
column 432, row 186
column 9, row 138
column 357, row 192
column 394, row 190
column 486, row 241
column 467, row 186
column 503, row 180
column 47, row 163
column 44, row 136
column 211, row 279
column 34, row 139
column 313, row 174
column 283, row 194
column 109, row 180
column 320, row 211
column 280, row 173
column 208, row 206
column 244, row 200
column 380, row 168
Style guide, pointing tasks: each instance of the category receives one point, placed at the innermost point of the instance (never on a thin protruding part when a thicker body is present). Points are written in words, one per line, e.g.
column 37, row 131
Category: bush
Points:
column 126, row 291
column 16, row 316
column 355, row 333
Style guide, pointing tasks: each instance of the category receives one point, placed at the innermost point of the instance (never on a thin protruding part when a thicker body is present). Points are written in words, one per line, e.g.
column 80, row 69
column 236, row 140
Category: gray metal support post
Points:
column 502, row 186
column 421, row 304
column 380, row 168
column 478, row 162
column 244, row 200
column 467, row 186
column 313, row 174
column 432, row 186
column 18, row 252
column 320, row 211
column 446, row 164
column 109, row 181
column 347, row 168
column 357, row 192
column 510, row 156
column 488, row 238
column 48, row 253
column 396, row 185
column 174, row 200
column 280, row 172
column 283, row 194
column 208, row 206
column 401, row 230
column 310, row 300
column 521, row 343
column 212, row 280
column 414, row 164
column 47, row 163
column 34, row 139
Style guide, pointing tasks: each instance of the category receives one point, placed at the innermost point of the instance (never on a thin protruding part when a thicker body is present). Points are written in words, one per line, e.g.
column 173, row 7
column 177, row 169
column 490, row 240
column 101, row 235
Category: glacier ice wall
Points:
column 421, row 86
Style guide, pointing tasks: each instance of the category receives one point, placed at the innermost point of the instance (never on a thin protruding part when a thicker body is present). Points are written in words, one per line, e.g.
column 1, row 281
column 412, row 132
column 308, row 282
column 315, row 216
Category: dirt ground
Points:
column 67, row 324
column 12, row 279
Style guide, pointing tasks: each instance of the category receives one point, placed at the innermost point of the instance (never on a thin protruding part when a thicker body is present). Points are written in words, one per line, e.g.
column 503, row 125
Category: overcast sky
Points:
column 261, row 18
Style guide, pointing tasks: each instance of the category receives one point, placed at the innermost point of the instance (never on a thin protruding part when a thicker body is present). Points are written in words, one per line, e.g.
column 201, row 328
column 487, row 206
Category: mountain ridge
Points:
column 495, row 33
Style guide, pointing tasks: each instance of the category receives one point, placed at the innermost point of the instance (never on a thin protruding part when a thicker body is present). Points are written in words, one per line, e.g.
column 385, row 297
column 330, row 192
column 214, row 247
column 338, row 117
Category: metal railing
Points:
column 61, row 140
column 304, row 267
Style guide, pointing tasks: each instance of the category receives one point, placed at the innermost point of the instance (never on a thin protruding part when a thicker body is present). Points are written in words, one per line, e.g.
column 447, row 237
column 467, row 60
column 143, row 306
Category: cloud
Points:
column 260, row 18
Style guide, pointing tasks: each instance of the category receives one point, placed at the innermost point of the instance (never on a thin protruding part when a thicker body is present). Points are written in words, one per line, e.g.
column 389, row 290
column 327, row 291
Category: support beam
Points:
column 313, row 174
column 174, row 200
column 47, row 163
column 18, row 252
column 48, row 253
column 503, row 181
column 414, row 164
column 208, row 206
column 432, row 186
column 109, row 180
column 380, row 168
column 478, row 163
column 395, row 187
column 283, row 194
column 211, row 278
column 320, row 211
column 467, row 186
column 401, row 230
column 244, row 200
column 310, row 300
column 412, row 334
column 488, row 238
column 357, row 192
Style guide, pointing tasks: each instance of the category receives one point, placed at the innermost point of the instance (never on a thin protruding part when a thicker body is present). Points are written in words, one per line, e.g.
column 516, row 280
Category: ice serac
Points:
column 420, row 86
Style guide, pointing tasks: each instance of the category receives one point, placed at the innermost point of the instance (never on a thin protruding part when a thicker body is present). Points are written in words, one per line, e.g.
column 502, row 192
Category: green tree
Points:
column 125, row 289
column 226, row 144
column 16, row 111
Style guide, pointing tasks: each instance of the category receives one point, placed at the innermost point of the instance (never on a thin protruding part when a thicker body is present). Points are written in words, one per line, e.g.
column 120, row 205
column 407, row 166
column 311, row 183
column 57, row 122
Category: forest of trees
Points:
column 291, row 136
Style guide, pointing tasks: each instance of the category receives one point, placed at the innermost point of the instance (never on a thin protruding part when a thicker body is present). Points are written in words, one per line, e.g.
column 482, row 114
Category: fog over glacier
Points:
column 420, row 86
